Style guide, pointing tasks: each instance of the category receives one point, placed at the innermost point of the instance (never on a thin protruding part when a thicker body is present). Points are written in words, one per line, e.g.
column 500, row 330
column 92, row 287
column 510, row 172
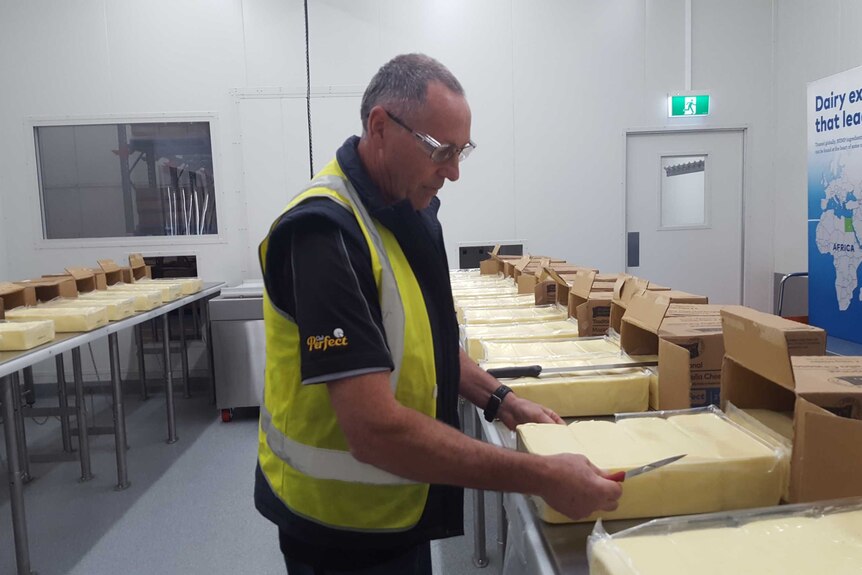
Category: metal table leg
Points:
column 119, row 415
column 207, row 334
column 65, row 430
column 81, row 416
column 169, row 382
column 184, row 354
column 480, row 553
column 29, row 386
column 23, row 457
column 16, row 479
column 139, row 337
column 502, row 528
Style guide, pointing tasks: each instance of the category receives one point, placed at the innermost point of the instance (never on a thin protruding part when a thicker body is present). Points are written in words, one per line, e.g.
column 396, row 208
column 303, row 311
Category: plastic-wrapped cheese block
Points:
column 459, row 295
column 141, row 300
column 508, row 301
column 169, row 292
column 21, row 336
column 117, row 308
column 725, row 466
column 514, row 315
column 473, row 335
column 789, row 539
column 501, row 351
column 188, row 286
column 65, row 319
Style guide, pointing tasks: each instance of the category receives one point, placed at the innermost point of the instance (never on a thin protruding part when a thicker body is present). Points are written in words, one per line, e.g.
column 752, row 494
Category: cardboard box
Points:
column 591, row 308
column 690, row 350
column 101, row 278
column 115, row 274
column 2, row 309
column 85, row 279
column 774, row 363
column 140, row 269
column 16, row 295
column 48, row 289
column 625, row 287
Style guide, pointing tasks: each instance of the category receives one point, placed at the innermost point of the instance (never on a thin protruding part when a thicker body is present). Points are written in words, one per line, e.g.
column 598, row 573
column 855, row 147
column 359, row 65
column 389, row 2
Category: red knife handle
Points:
column 619, row 476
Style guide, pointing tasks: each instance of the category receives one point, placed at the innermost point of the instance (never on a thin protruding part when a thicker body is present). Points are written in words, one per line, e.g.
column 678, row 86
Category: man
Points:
column 361, row 463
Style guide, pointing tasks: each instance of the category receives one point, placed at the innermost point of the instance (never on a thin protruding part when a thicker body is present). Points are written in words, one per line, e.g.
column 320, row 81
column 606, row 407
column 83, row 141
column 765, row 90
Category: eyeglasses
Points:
column 439, row 153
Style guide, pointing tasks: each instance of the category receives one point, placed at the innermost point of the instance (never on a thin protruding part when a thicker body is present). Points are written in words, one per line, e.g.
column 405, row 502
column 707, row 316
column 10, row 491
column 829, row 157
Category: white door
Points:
column 684, row 223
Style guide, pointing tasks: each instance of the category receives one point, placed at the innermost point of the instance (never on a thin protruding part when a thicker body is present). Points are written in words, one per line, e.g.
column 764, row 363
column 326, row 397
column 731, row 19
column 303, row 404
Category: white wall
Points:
column 814, row 39
column 554, row 85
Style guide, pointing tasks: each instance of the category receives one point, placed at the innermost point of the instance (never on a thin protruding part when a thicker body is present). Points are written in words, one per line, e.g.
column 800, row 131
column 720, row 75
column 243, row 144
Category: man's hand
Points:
column 576, row 488
column 515, row 411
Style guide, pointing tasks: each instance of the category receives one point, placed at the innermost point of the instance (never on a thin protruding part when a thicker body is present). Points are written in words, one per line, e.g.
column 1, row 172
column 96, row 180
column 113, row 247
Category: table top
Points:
column 12, row 361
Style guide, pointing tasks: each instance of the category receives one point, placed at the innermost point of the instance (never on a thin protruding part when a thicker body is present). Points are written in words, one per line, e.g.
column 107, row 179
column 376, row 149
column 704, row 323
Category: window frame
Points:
column 40, row 242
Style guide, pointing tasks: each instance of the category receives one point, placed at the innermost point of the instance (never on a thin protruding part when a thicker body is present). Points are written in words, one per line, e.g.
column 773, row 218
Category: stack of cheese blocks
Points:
column 726, row 466
column 66, row 319
column 789, row 539
column 520, row 334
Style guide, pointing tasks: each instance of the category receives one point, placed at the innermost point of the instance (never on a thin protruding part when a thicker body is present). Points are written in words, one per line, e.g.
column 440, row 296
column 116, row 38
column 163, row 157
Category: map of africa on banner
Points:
column 835, row 204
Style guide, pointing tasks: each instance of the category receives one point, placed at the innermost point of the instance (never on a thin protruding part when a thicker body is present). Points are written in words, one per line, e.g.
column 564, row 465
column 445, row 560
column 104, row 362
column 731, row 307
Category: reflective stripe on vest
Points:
column 323, row 463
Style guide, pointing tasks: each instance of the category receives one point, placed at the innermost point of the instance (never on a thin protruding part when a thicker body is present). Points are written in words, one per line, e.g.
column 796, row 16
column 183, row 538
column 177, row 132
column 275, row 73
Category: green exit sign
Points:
column 692, row 105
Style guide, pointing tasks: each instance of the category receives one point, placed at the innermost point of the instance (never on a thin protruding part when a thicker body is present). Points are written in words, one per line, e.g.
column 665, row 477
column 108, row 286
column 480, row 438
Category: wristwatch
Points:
column 495, row 401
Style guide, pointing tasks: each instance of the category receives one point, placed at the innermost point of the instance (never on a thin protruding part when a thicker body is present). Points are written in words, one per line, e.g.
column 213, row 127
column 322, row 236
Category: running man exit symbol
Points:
column 688, row 105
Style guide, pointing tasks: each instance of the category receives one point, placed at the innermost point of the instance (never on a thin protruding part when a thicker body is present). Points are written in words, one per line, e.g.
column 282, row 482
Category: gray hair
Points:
column 401, row 85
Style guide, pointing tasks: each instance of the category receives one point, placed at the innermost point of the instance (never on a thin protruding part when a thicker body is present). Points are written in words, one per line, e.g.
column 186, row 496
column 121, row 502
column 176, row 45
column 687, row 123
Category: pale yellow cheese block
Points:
column 188, row 286
column 778, row 421
column 459, row 296
column 142, row 300
column 725, row 467
column 21, row 336
column 169, row 292
column 473, row 335
column 509, row 301
column 504, row 351
column 65, row 319
column 794, row 544
column 117, row 308
column 514, row 315
column 587, row 395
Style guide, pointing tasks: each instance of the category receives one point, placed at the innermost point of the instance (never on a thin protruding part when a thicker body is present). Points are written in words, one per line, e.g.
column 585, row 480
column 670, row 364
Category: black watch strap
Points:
column 495, row 401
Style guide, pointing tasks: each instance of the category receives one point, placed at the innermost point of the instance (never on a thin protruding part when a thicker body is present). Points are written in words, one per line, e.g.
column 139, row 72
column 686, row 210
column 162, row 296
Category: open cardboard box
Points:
column 778, row 364
column 48, row 289
column 689, row 348
column 85, row 279
column 115, row 274
column 139, row 267
column 590, row 304
column 625, row 287
column 17, row 295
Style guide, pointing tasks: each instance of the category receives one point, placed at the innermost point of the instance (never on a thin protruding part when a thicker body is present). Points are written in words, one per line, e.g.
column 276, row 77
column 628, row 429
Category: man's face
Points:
column 408, row 170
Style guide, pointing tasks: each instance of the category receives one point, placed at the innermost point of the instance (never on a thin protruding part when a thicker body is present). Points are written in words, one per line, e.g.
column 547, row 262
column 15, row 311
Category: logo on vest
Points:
column 324, row 342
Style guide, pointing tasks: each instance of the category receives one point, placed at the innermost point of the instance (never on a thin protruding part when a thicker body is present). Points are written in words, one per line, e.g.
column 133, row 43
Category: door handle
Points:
column 633, row 250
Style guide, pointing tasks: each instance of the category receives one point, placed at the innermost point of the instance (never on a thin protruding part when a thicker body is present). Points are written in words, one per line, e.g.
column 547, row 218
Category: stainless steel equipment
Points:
column 239, row 346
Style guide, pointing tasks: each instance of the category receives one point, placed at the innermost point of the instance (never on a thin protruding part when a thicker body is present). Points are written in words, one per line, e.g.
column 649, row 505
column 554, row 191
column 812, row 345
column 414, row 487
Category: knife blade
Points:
column 635, row 471
column 537, row 370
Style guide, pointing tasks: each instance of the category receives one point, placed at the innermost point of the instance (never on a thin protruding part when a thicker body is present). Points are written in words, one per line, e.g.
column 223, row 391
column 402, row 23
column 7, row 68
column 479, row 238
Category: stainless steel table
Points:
column 529, row 545
column 12, row 362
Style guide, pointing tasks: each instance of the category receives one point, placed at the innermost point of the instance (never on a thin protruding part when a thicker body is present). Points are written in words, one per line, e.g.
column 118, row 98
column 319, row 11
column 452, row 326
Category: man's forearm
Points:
column 476, row 385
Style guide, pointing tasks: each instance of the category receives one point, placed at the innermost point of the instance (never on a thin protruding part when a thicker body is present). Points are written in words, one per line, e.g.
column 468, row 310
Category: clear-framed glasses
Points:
column 439, row 153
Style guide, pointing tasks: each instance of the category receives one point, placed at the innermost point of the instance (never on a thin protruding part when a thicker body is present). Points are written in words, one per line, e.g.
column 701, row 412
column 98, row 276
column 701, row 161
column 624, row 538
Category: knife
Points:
column 623, row 475
column 537, row 370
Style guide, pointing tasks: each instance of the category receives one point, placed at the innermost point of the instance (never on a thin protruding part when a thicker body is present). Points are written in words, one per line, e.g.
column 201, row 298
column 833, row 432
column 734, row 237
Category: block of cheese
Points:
column 788, row 539
column 504, row 351
column 473, row 335
column 781, row 422
column 21, row 336
column 514, row 315
column 65, row 319
column 141, row 300
column 188, row 286
column 509, row 301
column 169, row 292
column 589, row 393
column 117, row 308
column 725, row 468
column 462, row 294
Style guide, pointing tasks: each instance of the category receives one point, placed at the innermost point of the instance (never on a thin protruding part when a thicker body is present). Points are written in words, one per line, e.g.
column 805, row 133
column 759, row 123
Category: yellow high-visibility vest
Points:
column 303, row 452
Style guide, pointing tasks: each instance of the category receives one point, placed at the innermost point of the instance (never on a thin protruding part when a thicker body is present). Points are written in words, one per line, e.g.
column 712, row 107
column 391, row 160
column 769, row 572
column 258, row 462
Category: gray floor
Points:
column 189, row 509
